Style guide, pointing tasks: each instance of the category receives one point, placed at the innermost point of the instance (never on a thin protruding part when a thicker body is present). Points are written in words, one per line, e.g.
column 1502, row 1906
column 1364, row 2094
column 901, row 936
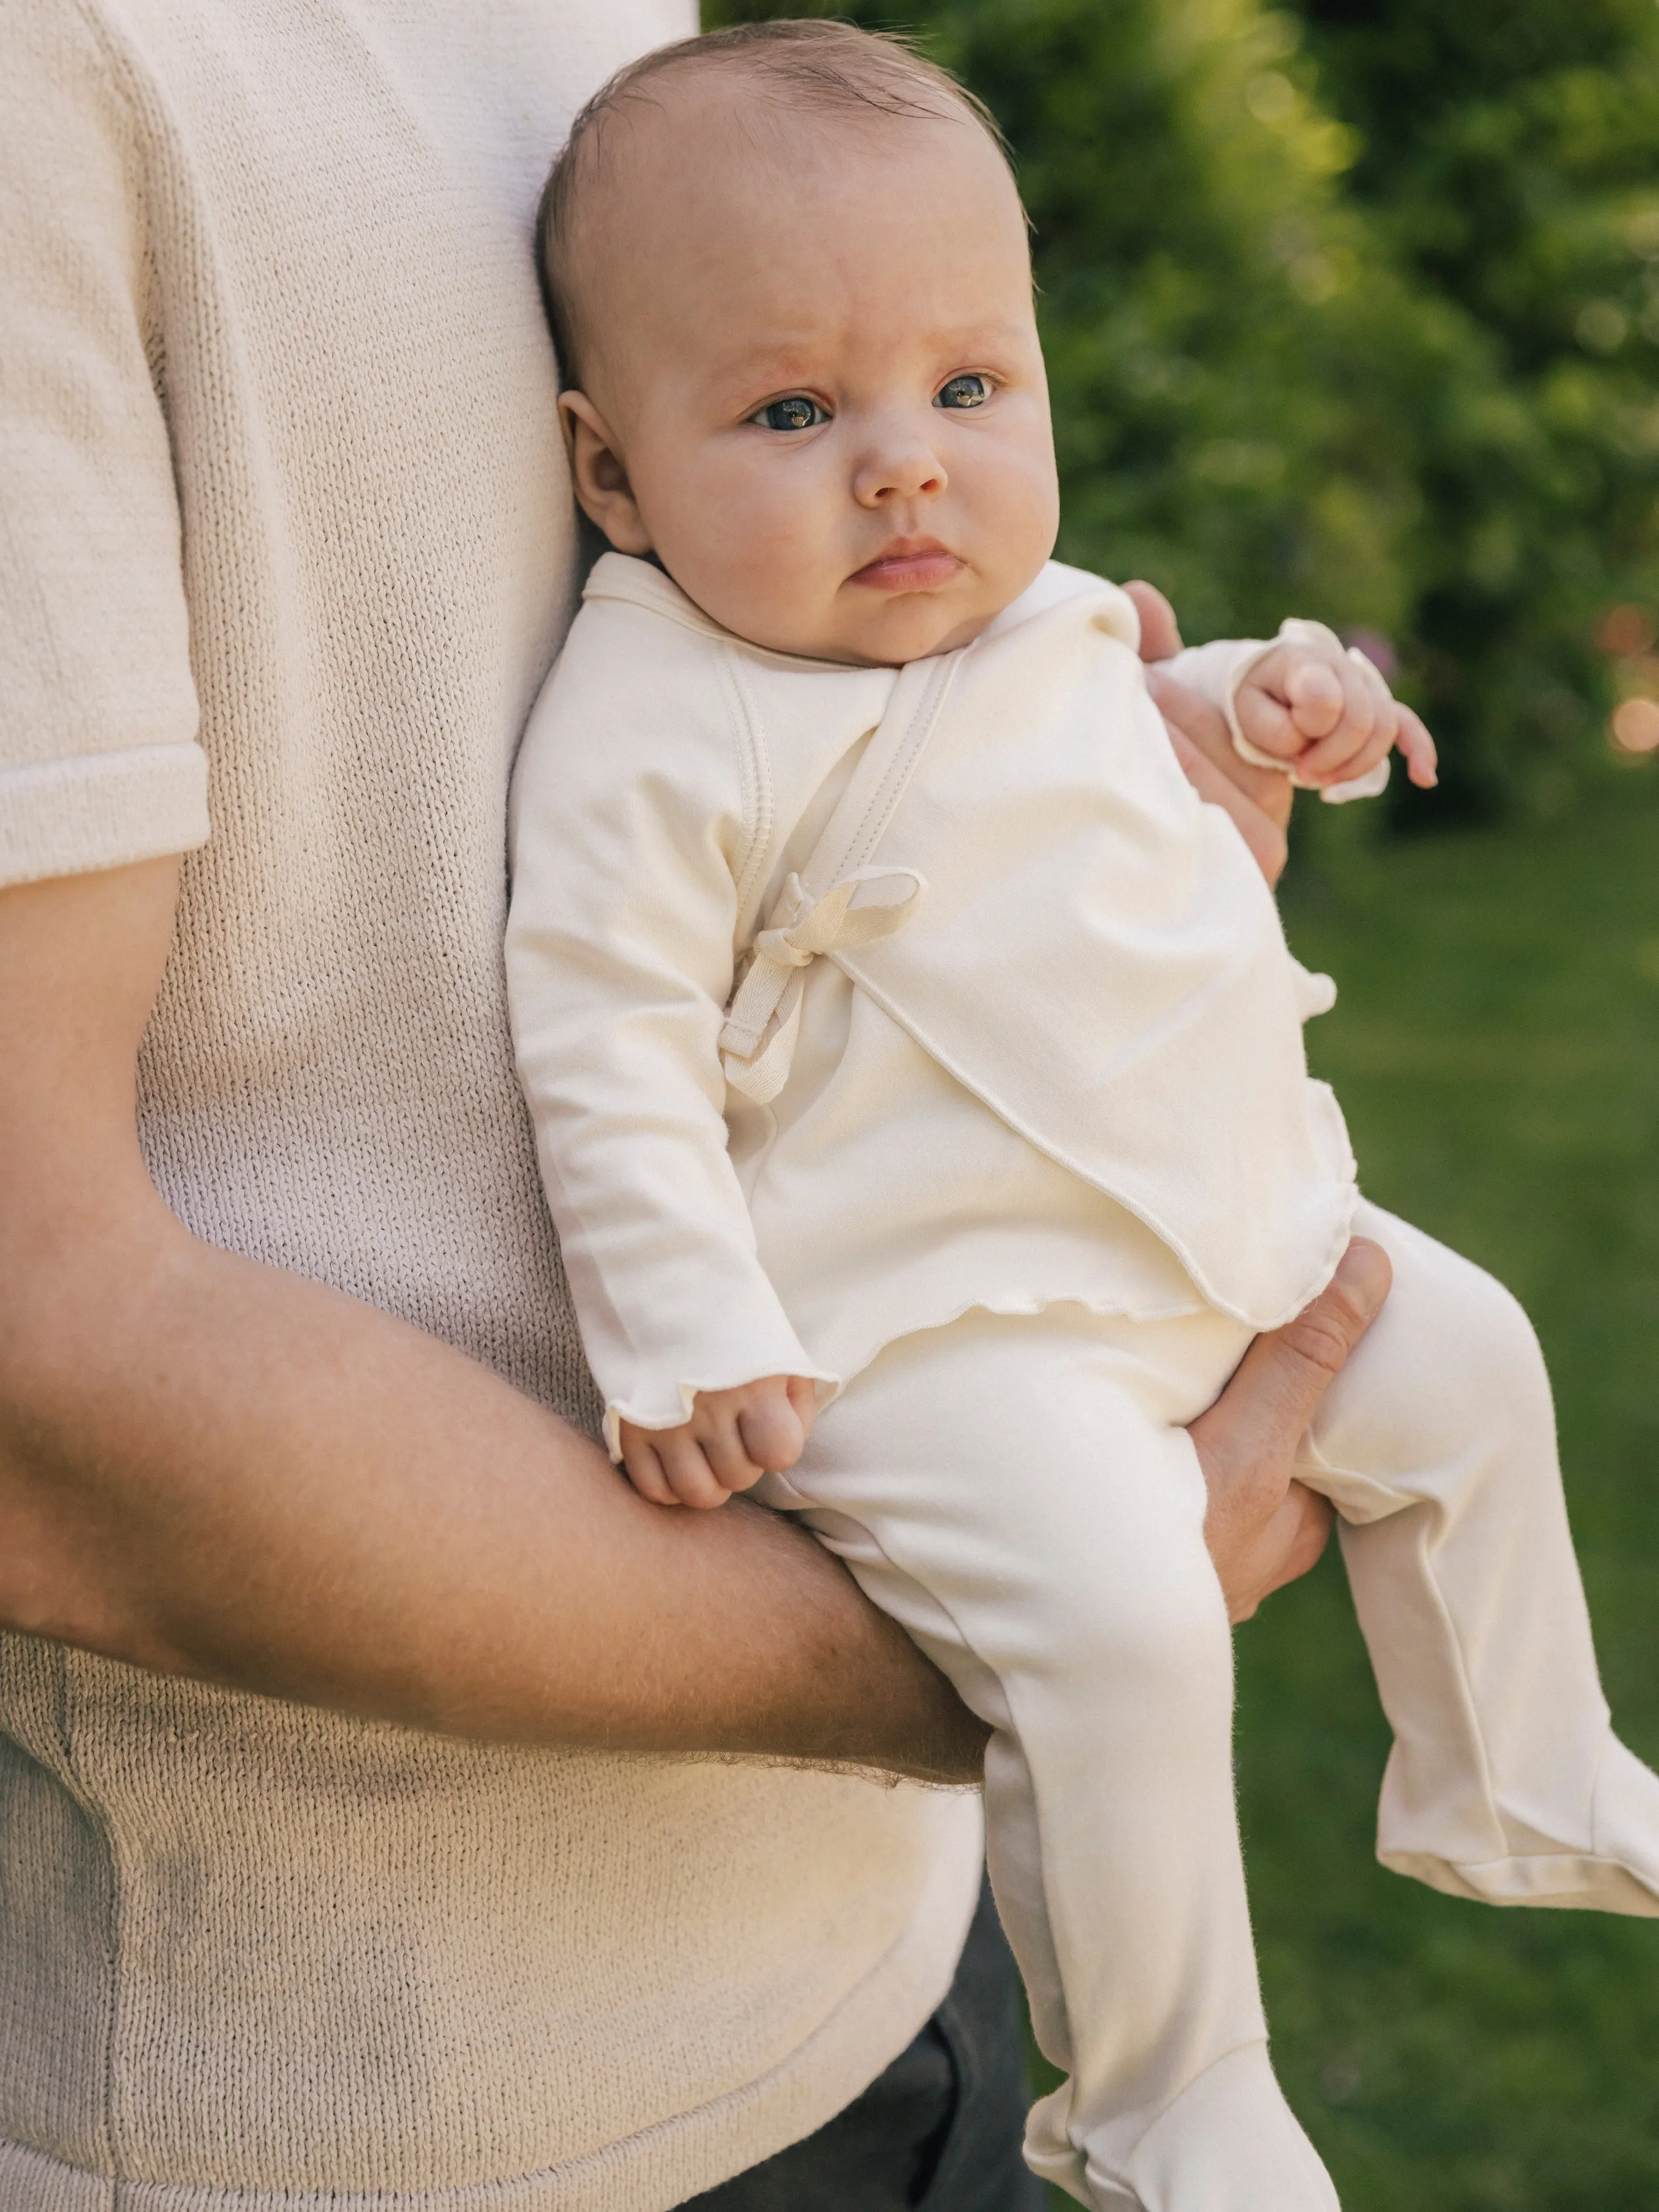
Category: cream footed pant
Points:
column 1021, row 1495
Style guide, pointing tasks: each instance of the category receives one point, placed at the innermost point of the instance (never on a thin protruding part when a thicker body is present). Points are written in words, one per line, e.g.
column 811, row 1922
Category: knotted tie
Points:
column 757, row 1044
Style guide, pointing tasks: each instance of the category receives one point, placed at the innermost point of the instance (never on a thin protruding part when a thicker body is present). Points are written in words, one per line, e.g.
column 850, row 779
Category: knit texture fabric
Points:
column 285, row 551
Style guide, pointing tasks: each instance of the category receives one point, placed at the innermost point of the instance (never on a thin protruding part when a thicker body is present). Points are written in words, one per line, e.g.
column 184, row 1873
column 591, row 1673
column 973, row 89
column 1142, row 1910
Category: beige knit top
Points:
column 285, row 550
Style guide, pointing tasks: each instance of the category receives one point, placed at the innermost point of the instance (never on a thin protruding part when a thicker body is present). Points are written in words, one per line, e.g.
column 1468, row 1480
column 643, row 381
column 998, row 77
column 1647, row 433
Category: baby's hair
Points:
column 808, row 64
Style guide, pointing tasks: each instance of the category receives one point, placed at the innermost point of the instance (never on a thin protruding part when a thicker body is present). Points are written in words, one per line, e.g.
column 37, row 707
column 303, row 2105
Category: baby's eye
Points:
column 964, row 391
column 797, row 412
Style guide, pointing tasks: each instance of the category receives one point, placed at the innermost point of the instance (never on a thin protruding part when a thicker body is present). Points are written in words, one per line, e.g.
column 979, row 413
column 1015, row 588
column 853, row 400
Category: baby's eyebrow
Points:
column 772, row 364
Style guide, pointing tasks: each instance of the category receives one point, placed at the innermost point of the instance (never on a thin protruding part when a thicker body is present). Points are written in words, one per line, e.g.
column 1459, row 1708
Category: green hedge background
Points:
column 1352, row 309
column 1354, row 306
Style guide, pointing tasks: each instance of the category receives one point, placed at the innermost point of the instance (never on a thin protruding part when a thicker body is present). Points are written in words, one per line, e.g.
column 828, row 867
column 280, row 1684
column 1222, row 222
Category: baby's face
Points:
column 812, row 383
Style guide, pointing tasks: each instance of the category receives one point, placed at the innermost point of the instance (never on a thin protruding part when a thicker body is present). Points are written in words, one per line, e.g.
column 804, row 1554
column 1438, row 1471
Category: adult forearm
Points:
column 210, row 1468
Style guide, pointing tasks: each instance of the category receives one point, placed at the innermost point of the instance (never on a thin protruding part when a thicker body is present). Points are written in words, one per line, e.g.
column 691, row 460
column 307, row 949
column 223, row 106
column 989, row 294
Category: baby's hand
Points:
column 733, row 1438
column 1328, row 716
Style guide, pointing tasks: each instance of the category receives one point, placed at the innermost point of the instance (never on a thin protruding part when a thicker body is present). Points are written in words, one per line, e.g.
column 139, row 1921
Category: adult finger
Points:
column 1160, row 634
column 1269, row 845
column 1205, row 727
column 1257, row 1529
column 1288, row 1544
column 1291, row 1368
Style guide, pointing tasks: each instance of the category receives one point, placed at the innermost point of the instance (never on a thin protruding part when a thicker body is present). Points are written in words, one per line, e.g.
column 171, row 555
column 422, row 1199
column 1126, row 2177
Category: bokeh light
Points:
column 1624, row 629
column 1635, row 726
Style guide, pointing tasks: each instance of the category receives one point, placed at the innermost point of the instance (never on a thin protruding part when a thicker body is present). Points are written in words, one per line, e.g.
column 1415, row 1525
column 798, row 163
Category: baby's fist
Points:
column 733, row 1437
column 1326, row 715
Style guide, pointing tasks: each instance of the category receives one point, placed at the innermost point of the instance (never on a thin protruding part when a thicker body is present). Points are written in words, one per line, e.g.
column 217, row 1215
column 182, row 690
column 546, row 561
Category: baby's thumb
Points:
column 1316, row 698
column 772, row 1432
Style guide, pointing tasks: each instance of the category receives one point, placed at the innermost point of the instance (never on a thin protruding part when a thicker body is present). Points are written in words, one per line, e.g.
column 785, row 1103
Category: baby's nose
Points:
column 908, row 470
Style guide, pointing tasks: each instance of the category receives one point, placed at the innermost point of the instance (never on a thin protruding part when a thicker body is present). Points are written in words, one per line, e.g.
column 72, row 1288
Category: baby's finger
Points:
column 1267, row 722
column 1418, row 749
column 645, row 1470
column 723, row 1448
column 1319, row 697
column 1363, row 734
column 773, row 1434
column 691, row 1478
column 804, row 1396
column 1359, row 739
column 1315, row 770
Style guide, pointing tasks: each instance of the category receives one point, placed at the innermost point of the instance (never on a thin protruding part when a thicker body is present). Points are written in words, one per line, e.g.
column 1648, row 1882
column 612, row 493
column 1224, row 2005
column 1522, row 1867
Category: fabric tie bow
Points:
column 757, row 1044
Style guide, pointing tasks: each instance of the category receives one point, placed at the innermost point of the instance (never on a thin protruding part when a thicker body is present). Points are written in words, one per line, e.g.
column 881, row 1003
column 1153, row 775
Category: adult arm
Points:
column 211, row 1467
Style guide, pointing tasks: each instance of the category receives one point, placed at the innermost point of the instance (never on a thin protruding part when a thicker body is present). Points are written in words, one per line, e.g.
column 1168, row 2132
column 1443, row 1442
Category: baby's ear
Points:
column 599, row 474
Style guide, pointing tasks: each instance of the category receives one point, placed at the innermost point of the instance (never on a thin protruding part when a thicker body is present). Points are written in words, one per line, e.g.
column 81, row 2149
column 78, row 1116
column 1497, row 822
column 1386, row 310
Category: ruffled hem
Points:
column 1016, row 1305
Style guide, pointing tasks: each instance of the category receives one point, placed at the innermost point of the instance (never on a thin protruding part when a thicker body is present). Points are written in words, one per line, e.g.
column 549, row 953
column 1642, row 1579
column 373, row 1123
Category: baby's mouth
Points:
column 910, row 564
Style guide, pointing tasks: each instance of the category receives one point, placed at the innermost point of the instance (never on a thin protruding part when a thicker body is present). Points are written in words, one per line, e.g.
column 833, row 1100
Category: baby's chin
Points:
column 915, row 629
column 866, row 629
column 855, row 626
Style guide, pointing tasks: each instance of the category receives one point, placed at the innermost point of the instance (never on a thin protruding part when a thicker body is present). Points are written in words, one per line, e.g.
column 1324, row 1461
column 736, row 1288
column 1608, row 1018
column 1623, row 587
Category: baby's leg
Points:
column 1437, row 1445
column 1014, row 1492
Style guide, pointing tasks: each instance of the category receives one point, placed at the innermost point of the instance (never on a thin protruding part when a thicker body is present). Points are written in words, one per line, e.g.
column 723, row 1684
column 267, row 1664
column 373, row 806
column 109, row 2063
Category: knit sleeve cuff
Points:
column 67, row 818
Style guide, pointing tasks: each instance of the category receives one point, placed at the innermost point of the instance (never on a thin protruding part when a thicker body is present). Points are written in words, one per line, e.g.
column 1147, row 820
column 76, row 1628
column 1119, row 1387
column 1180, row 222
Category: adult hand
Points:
column 1263, row 1528
column 1257, row 798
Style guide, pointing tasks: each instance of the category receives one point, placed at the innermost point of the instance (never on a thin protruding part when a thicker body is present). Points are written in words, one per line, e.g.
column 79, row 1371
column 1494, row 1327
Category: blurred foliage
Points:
column 1352, row 309
column 1509, row 160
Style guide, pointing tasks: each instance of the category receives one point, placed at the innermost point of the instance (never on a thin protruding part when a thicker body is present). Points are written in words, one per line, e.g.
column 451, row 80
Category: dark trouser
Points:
column 942, row 2128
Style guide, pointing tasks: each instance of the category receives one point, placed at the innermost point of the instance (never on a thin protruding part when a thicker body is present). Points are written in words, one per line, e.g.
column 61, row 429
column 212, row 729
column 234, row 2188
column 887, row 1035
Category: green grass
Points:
column 1496, row 1048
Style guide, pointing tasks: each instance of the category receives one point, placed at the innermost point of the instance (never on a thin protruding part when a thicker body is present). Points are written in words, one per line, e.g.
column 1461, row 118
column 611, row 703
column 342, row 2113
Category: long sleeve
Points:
column 634, row 823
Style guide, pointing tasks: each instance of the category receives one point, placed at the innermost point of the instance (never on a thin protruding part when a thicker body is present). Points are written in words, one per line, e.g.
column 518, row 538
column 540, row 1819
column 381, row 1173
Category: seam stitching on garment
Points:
column 969, row 1645
column 884, row 800
column 756, row 777
column 104, row 2131
column 1247, row 2043
column 437, row 2200
column 1436, row 1512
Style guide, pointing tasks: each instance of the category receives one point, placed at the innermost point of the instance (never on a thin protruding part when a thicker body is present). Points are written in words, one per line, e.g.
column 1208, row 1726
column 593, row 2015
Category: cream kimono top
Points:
column 1040, row 1039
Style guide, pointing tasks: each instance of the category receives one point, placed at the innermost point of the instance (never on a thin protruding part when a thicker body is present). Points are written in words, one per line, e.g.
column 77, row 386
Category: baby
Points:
column 917, row 1070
